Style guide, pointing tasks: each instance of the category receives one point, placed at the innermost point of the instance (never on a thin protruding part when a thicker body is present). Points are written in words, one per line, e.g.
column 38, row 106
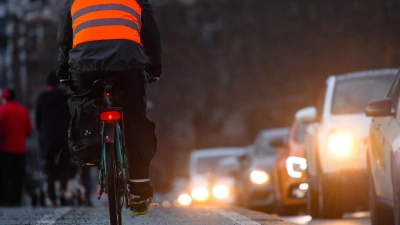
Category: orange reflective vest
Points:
column 94, row 20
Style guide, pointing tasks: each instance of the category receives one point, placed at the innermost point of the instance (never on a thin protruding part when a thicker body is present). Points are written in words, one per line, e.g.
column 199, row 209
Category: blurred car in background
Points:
column 254, row 185
column 289, row 173
column 336, row 139
column 204, row 186
column 226, row 173
column 384, row 157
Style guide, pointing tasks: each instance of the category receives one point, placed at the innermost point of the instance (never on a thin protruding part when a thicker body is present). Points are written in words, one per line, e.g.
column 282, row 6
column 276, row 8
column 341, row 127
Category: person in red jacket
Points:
column 15, row 127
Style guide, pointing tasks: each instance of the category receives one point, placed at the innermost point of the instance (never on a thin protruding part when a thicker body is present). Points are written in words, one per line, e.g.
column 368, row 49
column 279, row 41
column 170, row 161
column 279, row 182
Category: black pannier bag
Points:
column 84, row 138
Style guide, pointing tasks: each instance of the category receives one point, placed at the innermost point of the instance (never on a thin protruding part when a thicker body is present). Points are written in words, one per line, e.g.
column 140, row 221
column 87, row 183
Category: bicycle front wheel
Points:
column 114, row 205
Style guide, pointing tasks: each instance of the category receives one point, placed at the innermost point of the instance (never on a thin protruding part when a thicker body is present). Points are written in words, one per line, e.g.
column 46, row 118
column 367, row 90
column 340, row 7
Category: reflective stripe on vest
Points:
column 94, row 20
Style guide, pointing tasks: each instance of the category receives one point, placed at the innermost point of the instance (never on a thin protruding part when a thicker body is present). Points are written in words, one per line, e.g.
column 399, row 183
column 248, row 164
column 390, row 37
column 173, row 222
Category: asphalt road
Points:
column 159, row 214
column 359, row 218
column 164, row 214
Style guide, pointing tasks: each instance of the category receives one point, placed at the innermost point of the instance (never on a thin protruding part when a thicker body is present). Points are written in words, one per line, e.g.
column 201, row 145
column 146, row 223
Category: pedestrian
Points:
column 15, row 127
column 116, row 39
column 52, row 122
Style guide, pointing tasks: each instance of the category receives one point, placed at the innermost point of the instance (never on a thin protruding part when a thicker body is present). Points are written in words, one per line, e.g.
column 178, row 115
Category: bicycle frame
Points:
column 112, row 132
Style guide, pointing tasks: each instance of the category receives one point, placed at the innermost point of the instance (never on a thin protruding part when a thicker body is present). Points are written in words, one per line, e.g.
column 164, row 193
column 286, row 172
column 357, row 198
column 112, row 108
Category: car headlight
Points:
column 259, row 177
column 200, row 193
column 340, row 143
column 303, row 186
column 184, row 199
column 220, row 191
column 295, row 166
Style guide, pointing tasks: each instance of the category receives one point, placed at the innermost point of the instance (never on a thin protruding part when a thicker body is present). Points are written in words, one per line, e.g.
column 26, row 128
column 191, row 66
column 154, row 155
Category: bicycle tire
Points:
column 113, row 196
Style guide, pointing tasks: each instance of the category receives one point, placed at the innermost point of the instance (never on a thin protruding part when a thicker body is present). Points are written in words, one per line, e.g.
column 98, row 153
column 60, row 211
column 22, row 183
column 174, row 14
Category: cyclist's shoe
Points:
column 140, row 206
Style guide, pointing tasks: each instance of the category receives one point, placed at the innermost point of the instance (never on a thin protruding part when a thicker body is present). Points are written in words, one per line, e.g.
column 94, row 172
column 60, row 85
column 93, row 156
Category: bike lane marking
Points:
column 51, row 218
column 242, row 220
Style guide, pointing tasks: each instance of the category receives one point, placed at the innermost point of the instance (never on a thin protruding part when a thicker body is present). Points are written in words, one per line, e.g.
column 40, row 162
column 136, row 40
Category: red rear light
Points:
column 110, row 116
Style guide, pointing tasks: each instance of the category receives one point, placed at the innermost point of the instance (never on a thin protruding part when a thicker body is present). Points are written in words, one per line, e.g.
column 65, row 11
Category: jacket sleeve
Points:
column 64, row 36
column 150, row 37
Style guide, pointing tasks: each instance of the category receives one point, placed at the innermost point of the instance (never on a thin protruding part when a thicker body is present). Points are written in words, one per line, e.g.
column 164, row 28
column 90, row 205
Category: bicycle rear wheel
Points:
column 114, row 205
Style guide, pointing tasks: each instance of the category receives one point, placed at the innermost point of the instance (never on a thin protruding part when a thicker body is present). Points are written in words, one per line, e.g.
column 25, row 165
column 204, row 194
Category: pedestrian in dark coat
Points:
column 52, row 122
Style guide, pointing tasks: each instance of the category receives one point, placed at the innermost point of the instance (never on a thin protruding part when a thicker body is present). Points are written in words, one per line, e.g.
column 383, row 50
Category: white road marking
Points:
column 242, row 220
column 51, row 218
column 299, row 220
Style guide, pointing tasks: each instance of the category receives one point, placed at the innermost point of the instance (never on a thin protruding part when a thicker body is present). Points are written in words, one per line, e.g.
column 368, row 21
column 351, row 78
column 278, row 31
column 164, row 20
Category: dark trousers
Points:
column 87, row 182
column 129, row 92
column 12, row 171
column 57, row 169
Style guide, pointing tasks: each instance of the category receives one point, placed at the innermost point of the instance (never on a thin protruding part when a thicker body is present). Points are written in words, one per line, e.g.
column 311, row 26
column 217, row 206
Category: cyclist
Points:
column 117, row 39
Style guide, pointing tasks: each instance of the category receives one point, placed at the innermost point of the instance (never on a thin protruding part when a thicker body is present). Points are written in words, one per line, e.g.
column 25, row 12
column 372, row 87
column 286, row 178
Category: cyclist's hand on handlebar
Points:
column 64, row 81
column 153, row 72
column 153, row 79
column 64, row 77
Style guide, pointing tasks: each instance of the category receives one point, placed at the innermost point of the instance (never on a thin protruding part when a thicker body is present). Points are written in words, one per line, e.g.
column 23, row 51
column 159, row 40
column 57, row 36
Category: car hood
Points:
column 296, row 149
column 225, row 180
column 207, row 181
column 200, row 180
column 263, row 163
column 356, row 125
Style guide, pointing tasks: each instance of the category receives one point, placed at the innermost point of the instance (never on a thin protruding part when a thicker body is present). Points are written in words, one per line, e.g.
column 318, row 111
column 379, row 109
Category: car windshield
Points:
column 300, row 132
column 352, row 96
column 263, row 148
column 208, row 164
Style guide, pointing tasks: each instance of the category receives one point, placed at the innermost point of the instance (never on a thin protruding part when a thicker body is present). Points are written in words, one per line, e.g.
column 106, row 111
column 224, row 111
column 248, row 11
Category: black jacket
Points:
column 110, row 55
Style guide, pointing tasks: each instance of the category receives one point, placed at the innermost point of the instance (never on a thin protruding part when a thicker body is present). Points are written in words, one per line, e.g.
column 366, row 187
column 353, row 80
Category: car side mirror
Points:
column 306, row 115
column 382, row 107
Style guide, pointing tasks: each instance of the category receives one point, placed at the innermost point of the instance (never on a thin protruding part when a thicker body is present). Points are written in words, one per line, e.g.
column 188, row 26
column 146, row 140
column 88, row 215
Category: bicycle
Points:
column 112, row 165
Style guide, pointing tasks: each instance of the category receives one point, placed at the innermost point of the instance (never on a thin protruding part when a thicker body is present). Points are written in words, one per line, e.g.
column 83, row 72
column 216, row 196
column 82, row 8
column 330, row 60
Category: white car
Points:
column 336, row 139
column 204, row 185
column 384, row 157
column 255, row 188
column 226, row 173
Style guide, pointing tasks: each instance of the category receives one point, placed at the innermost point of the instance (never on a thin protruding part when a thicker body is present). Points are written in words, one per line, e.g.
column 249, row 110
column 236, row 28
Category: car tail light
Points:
column 110, row 116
